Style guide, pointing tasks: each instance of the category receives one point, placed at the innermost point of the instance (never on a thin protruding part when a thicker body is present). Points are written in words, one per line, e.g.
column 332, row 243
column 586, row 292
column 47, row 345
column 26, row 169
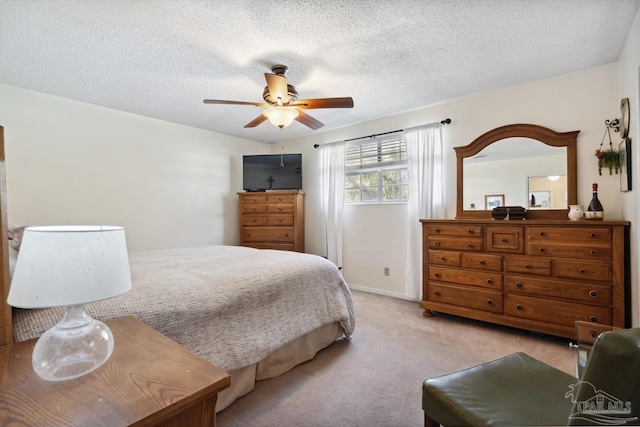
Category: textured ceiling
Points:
column 160, row 58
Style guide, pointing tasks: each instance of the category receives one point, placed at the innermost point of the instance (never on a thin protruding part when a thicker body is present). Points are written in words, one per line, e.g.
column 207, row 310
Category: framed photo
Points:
column 624, row 149
column 493, row 201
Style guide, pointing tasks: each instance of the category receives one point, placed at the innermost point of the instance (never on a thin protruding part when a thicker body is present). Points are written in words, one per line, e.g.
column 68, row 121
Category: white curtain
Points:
column 332, row 199
column 426, row 195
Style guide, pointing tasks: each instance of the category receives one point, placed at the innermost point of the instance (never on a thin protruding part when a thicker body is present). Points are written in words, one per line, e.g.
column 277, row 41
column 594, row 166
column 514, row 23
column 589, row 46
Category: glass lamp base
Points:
column 77, row 345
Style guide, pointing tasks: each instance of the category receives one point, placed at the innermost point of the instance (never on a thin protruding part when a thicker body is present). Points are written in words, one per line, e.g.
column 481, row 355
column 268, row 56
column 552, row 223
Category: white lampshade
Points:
column 69, row 265
column 281, row 116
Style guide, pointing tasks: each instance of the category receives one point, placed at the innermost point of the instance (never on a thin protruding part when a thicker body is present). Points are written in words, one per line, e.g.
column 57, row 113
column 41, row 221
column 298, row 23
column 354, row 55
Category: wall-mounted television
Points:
column 272, row 172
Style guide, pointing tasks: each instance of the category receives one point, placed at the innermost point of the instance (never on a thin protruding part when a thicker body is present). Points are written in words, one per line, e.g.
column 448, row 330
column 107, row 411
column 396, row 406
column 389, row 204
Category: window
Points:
column 376, row 170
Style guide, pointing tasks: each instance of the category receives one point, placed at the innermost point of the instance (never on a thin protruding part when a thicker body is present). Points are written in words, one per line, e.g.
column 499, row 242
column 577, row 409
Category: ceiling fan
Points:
column 282, row 105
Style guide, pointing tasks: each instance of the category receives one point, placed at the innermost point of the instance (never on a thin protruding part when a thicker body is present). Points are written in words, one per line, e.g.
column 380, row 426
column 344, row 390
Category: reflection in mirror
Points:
column 547, row 192
column 516, row 167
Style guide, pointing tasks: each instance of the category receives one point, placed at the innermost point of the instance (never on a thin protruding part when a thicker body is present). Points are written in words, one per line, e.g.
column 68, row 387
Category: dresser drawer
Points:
column 280, row 219
column 529, row 265
column 254, row 219
column 556, row 312
column 579, row 292
column 505, row 239
column 280, row 208
column 454, row 230
column 278, row 246
column 582, row 251
column 571, row 235
column 466, row 277
column 582, row 270
column 280, row 198
column 253, row 198
column 246, row 208
column 462, row 296
column 445, row 258
column 268, row 234
column 455, row 243
column 482, row 261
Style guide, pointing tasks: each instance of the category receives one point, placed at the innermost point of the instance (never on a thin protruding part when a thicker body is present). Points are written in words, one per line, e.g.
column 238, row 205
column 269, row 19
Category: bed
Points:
column 255, row 313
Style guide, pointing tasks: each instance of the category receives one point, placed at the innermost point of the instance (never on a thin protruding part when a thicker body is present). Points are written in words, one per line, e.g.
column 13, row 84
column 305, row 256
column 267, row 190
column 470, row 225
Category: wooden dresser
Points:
column 536, row 275
column 272, row 220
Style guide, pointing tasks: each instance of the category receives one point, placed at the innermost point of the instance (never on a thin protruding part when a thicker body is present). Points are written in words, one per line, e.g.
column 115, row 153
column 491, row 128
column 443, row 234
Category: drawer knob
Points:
column 518, row 307
column 528, row 266
column 437, row 230
column 490, row 301
column 490, row 281
column 436, row 243
column 593, row 294
column 286, row 234
column 444, row 258
column 519, row 284
column 437, row 293
column 471, row 231
column 541, row 249
column 594, row 319
column 594, row 235
column 505, row 240
column 437, row 275
column 593, row 252
column 542, row 233
column 470, row 245
column 482, row 262
column 583, row 271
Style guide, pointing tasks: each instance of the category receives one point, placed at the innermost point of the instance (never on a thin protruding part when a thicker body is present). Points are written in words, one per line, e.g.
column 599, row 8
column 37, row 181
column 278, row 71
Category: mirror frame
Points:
column 539, row 133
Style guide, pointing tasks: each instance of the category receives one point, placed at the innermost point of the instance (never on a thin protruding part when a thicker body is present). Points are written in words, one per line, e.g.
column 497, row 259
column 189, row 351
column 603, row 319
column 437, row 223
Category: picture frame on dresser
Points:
column 624, row 149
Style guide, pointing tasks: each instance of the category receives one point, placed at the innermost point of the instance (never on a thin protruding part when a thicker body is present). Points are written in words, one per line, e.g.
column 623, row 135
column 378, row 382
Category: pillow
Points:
column 15, row 236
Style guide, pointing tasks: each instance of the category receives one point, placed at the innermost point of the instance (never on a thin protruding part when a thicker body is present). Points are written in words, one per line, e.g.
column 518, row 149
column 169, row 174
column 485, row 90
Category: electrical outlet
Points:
column 386, row 271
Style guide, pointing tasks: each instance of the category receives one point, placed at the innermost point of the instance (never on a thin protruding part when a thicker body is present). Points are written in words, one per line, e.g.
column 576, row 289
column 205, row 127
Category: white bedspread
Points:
column 230, row 305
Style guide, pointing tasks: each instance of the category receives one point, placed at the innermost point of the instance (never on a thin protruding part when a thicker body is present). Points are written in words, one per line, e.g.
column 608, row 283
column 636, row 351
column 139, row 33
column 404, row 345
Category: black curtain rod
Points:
column 442, row 122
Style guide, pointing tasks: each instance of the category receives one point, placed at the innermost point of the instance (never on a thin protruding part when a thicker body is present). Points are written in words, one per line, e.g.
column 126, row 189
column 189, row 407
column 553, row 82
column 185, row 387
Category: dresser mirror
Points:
column 518, row 165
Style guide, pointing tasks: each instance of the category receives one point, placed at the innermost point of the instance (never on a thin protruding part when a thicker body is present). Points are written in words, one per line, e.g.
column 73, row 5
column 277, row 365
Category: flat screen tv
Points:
column 272, row 172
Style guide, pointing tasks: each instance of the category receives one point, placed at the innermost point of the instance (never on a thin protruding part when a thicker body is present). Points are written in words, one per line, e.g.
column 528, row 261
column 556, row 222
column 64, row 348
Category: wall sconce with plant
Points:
column 608, row 157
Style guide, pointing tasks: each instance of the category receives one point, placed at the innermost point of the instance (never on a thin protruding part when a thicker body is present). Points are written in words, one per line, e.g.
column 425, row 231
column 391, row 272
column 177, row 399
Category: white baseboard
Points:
column 381, row 292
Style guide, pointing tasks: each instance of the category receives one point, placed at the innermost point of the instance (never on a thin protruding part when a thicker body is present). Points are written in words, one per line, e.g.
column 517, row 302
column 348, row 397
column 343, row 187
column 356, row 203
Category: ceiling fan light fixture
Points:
column 281, row 117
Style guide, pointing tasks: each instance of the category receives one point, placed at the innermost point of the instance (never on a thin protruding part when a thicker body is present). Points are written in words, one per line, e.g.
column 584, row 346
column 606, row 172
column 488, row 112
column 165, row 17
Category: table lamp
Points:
column 70, row 266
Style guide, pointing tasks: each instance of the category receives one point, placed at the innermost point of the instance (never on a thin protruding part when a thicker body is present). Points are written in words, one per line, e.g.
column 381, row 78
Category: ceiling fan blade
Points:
column 255, row 122
column 308, row 121
column 346, row 102
column 277, row 87
column 220, row 101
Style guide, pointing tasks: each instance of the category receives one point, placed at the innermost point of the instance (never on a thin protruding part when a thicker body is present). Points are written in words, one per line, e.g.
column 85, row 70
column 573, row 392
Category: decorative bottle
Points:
column 595, row 210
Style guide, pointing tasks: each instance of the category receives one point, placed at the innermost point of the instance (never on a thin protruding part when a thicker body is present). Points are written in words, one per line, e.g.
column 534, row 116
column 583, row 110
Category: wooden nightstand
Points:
column 149, row 380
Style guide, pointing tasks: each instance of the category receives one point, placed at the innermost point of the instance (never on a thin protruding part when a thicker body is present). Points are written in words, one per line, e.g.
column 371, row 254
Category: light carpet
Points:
column 376, row 378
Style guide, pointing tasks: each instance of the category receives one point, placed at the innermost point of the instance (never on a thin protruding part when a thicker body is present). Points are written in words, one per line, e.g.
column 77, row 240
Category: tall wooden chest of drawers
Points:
column 272, row 220
column 536, row 275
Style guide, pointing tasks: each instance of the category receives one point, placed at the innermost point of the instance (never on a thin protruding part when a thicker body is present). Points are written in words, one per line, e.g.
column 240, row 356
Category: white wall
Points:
column 74, row 163
column 375, row 235
column 629, row 87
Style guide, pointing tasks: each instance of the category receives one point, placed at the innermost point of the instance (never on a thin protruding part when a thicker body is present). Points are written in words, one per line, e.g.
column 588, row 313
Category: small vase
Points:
column 576, row 212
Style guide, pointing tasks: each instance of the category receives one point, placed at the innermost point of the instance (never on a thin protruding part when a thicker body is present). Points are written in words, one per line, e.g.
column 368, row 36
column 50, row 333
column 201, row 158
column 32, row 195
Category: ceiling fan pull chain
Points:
column 282, row 154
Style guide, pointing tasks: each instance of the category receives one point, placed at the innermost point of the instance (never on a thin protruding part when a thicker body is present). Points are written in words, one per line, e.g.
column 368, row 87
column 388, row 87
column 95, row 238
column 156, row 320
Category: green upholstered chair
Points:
column 518, row 390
